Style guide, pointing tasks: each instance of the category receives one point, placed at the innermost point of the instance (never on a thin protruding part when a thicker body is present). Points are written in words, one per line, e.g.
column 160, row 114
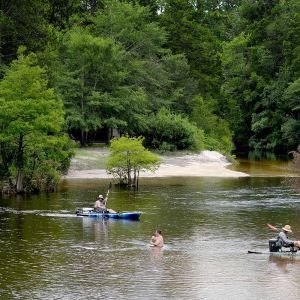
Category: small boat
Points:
column 125, row 215
column 274, row 250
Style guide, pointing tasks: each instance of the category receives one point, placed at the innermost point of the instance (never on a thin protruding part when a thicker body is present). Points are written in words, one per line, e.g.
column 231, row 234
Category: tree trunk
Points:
column 128, row 171
column 82, row 131
column 20, row 166
column 129, row 177
column 137, row 179
column 19, row 181
column 81, row 137
column 134, row 177
column 110, row 130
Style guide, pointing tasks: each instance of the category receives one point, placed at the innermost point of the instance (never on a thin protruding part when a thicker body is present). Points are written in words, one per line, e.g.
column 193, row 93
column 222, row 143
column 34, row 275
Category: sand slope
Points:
column 205, row 164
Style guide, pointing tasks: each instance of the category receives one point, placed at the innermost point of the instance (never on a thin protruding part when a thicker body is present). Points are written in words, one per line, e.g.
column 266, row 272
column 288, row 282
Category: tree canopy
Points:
column 224, row 73
column 128, row 158
column 33, row 150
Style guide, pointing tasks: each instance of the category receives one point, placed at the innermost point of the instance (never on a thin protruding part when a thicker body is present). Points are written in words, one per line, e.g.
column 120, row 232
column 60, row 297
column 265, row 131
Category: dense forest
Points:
column 184, row 74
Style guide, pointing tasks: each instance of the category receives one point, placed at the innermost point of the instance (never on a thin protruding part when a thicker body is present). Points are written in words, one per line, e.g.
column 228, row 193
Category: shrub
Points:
column 168, row 131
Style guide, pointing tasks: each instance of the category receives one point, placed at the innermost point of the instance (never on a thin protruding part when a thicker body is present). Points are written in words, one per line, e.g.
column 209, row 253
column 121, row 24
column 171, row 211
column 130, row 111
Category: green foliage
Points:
column 219, row 70
column 128, row 157
column 168, row 131
column 34, row 152
column 189, row 34
column 290, row 127
column 117, row 69
column 180, row 88
column 148, row 77
column 143, row 43
column 217, row 134
column 21, row 22
column 259, row 65
column 129, row 25
column 91, row 84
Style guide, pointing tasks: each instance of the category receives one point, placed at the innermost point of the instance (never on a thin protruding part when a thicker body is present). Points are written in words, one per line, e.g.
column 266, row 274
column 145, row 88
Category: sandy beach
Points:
column 204, row 164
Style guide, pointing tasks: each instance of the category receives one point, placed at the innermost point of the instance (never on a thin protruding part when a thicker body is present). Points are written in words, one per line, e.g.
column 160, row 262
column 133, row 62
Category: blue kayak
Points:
column 89, row 212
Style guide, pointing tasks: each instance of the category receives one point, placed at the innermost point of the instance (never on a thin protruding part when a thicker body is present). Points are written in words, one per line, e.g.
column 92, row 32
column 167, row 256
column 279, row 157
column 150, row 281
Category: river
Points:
column 208, row 224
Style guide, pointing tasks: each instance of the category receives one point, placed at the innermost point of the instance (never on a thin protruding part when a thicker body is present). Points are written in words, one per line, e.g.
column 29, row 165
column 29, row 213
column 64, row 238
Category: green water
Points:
column 264, row 168
column 208, row 224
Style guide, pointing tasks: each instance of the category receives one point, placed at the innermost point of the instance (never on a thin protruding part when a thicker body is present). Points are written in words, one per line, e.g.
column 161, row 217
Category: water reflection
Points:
column 263, row 167
column 100, row 228
column 283, row 262
column 156, row 255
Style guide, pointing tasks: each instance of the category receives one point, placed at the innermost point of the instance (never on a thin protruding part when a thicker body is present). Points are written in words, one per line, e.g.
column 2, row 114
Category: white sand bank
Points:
column 205, row 164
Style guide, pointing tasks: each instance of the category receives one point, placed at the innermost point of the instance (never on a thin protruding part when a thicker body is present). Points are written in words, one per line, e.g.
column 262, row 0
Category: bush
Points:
column 128, row 157
column 218, row 137
column 168, row 132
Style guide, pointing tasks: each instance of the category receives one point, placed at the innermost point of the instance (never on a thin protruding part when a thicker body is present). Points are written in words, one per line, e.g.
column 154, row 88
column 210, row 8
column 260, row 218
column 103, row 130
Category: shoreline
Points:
column 204, row 164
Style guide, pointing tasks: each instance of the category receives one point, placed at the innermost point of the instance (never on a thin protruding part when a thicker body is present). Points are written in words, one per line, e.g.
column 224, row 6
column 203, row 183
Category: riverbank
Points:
column 89, row 163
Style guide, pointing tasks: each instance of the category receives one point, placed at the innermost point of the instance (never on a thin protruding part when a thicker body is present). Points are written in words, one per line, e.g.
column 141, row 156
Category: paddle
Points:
column 106, row 199
column 273, row 228
column 254, row 252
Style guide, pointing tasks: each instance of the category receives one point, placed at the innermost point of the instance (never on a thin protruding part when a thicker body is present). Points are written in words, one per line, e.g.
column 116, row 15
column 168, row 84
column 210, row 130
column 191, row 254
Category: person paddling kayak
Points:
column 284, row 241
column 100, row 205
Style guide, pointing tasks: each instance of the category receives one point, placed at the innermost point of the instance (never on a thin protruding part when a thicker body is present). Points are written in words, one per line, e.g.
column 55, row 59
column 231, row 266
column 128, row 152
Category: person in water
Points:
column 284, row 241
column 157, row 239
column 100, row 205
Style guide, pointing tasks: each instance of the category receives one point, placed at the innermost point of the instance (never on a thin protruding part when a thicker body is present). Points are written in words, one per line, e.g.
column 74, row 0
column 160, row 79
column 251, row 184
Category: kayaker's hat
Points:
column 287, row 228
column 101, row 197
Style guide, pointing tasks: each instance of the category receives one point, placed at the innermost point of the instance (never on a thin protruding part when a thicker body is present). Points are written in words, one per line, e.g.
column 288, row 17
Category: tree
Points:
column 153, row 6
column 217, row 135
column 128, row 157
column 180, row 88
column 188, row 33
column 164, row 77
column 290, row 122
column 237, row 89
column 89, row 81
column 261, row 68
column 59, row 12
column 33, row 149
column 169, row 131
column 22, row 23
column 129, row 25
column 143, row 42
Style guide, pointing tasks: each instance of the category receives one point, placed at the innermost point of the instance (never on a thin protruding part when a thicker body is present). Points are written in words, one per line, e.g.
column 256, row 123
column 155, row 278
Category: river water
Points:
column 208, row 224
